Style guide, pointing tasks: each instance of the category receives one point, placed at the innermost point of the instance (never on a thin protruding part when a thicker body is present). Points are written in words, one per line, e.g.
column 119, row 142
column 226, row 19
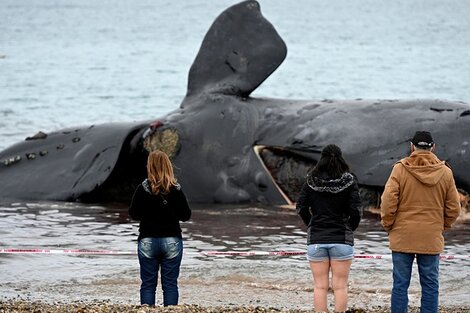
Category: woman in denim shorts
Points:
column 159, row 204
column 330, row 206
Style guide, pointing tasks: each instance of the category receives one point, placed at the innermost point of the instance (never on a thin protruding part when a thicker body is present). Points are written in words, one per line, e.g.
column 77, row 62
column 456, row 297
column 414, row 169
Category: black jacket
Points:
column 331, row 208
column 159, row 215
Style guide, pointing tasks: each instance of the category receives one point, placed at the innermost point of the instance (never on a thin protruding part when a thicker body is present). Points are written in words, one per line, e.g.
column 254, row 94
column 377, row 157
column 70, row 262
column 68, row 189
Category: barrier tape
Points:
column 65, row 251
column 251, row 253
column 204, row 253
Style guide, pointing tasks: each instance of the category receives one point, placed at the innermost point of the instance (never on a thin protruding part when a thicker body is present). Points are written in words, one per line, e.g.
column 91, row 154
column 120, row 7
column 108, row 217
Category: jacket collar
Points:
column 330, row 185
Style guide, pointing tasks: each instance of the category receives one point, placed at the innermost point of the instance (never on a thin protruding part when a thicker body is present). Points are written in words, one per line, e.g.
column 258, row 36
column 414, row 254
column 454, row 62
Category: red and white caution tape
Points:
column 453, row 257
column 203, row 253
column 251, row 253
column 65, row 251
column 288, row 253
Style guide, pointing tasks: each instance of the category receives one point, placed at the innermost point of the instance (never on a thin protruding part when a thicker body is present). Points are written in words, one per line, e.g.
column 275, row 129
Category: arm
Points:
column 184, row 212
column 135, row 207
column 302, row 206
column 452, row 205
column 389, row 200
column 355, row 209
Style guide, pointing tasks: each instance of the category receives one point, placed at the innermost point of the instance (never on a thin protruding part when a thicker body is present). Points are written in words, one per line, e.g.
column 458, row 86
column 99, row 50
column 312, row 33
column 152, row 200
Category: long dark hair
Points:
column 331, row 162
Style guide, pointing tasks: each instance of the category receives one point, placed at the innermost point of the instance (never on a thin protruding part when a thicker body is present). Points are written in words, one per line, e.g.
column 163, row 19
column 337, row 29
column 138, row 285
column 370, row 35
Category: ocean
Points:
column 81, row 62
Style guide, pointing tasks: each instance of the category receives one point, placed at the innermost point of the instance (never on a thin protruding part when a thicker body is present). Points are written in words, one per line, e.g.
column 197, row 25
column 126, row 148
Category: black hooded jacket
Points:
column 159, row 214
column 331, row 208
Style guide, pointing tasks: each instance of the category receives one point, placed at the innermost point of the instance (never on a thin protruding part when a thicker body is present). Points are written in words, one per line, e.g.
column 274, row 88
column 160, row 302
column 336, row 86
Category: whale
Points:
column 230, row 147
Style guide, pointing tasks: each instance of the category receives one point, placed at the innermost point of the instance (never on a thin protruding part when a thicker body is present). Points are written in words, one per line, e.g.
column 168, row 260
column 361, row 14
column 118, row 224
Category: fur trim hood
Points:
column 148, row 188
column 330, row 185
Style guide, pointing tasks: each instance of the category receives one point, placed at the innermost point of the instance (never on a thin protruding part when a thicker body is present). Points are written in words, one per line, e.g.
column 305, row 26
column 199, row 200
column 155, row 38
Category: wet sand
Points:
column 198, row 296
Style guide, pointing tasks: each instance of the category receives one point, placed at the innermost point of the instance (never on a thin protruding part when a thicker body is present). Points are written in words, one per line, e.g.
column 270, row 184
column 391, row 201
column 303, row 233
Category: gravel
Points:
column 20, row 305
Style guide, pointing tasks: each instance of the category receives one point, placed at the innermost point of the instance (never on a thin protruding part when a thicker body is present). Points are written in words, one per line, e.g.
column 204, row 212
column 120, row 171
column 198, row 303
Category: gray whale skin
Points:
column 228, row 147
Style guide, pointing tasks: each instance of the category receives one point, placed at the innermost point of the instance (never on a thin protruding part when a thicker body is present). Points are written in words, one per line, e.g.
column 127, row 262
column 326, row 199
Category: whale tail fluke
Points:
column 240, row 50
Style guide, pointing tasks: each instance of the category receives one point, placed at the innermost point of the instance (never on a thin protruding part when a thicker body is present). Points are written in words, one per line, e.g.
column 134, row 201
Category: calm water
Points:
column 257, row 280
column 82, row 62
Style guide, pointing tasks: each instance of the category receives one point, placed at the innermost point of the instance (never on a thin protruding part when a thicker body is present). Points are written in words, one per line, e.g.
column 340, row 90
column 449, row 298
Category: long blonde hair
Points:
column 160, row 172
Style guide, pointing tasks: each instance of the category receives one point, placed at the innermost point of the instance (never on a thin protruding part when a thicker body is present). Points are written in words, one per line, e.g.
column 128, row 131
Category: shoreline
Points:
column 19, row 305
column 236, row 292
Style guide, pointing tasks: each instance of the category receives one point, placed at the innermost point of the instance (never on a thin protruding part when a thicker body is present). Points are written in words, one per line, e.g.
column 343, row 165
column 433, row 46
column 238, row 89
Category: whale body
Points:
column 229, row 147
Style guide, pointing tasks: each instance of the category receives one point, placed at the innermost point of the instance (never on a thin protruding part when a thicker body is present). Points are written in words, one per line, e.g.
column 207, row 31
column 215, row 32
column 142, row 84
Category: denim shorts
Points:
column 333, row 251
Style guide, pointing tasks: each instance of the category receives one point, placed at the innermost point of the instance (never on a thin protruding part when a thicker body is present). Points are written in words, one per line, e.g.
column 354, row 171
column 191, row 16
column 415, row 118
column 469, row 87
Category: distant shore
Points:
column 20, row 306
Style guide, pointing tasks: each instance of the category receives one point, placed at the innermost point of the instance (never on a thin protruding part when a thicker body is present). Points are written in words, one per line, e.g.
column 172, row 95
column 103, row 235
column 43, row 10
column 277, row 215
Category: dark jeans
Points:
column 160, row 253
column 428, row 268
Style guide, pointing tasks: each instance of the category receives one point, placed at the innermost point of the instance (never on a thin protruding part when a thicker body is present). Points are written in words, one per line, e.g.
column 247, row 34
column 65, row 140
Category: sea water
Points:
column 257, row 279
column 81, row 62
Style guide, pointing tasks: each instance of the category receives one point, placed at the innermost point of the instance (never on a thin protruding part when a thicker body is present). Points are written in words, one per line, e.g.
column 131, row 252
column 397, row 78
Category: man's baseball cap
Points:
column 422, row 139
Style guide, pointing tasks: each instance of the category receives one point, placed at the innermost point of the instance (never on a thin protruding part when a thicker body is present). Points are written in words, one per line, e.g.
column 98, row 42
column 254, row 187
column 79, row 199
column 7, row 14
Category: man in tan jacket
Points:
column 419, row 202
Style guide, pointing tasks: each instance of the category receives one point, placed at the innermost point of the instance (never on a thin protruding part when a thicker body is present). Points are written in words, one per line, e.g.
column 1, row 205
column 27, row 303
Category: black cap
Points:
column 422, row 139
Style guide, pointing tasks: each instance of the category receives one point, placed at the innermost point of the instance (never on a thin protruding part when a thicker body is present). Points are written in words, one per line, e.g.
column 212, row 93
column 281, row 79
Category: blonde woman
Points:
column 159, row 204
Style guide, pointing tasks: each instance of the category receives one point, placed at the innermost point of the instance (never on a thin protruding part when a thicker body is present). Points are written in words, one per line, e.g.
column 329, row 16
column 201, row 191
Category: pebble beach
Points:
column 19, row 306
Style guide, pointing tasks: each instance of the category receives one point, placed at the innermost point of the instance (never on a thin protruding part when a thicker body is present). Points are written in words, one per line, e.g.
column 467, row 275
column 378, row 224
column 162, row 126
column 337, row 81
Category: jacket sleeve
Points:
column 184, row 212
column 302, row 206
column 135, row 208
column 355, row 207
column 452, row 205
column 390, row 198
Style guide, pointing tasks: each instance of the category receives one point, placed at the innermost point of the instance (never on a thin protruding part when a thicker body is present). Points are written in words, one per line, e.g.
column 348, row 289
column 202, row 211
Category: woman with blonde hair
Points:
column 159, row 204
column 329, row 205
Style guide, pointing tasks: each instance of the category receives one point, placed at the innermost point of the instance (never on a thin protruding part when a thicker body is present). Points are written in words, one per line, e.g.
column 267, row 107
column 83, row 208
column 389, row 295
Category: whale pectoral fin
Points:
column 240, row 50
column 64, row 165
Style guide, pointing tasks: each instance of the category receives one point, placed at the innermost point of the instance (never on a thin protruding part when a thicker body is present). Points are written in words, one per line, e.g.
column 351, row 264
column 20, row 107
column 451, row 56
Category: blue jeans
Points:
column 428, row 268
column 155, row 253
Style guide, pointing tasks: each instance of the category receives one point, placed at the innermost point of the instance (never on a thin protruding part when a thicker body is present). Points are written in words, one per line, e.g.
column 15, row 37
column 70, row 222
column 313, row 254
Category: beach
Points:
column 98, row 307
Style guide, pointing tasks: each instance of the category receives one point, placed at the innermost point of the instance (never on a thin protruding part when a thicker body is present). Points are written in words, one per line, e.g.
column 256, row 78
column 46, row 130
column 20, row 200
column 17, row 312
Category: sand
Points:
column 21, row 305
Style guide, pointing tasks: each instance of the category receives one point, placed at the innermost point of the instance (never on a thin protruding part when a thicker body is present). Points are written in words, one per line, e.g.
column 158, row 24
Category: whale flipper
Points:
column 68, row 164
column 240, row 50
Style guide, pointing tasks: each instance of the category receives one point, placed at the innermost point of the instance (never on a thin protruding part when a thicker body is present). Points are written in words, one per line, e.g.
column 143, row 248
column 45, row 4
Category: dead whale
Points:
column 227, row 146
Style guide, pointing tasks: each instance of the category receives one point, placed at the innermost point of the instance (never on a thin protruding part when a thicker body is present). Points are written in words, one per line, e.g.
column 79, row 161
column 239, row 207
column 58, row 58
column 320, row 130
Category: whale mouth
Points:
column 287, row 168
